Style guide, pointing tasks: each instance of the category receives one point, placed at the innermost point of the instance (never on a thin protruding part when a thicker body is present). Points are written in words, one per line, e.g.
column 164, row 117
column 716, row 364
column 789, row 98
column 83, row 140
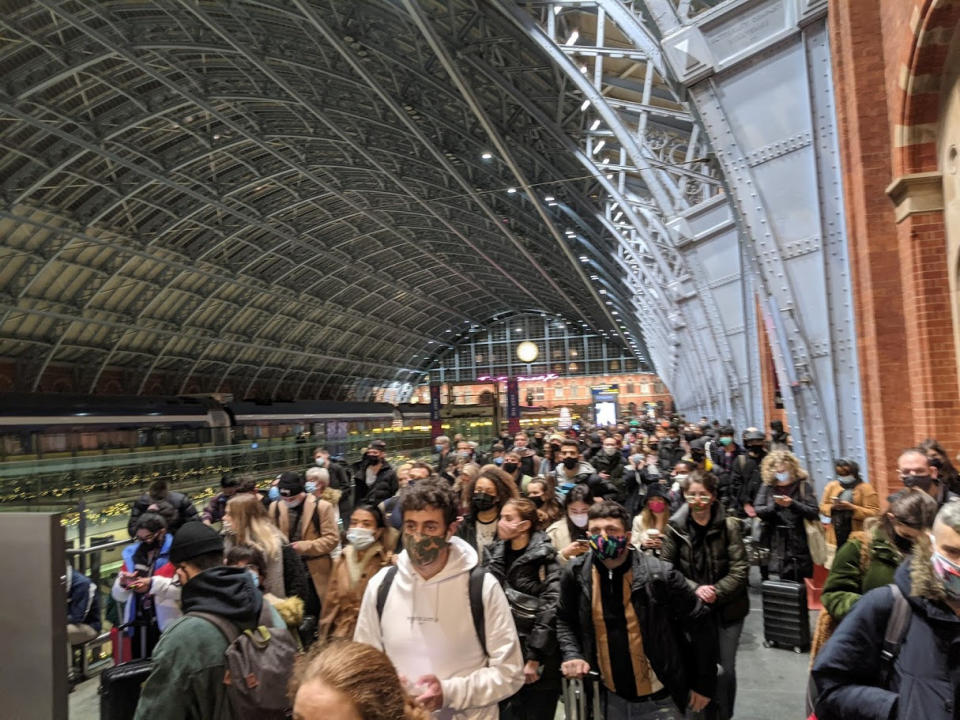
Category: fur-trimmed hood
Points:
column 918, row 572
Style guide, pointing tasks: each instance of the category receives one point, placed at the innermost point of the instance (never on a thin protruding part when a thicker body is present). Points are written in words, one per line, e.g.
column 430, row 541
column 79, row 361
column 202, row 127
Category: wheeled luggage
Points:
column 120, row 689
column 576, row 700
column 786, row 620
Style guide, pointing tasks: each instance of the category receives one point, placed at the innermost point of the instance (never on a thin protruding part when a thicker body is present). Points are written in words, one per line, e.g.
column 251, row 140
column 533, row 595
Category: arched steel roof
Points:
column 291, row 198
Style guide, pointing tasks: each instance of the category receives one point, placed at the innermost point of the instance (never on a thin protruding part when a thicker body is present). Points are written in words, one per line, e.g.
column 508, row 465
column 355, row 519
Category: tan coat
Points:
column 342, row 604
column 322, row 536
column 865, row 502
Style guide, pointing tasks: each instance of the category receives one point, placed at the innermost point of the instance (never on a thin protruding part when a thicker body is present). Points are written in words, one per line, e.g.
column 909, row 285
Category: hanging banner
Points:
column 435, row 424
column 513, row 405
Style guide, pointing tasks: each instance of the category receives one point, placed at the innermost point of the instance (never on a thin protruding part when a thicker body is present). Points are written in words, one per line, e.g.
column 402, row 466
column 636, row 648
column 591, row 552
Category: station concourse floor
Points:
column 771, row 682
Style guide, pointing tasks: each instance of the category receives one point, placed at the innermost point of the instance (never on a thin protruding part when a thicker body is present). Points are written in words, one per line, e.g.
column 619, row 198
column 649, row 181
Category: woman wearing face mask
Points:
column 485, row 497
column 525, row 563
column 847, row 501
column 783, row 503
column 705, row 545
column 650, row 525
column 245, row 522
column 543, row 493
column 360, row 560
column 569, row 534
column 922, row 680
column 870, row 558
column 511, row 466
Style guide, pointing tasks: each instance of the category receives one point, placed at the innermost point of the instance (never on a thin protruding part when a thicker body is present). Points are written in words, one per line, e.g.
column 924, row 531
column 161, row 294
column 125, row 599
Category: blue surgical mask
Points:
column 254, row 577
column 274, row 493
column 438, row 448
column 783, row 478
column 310, row 486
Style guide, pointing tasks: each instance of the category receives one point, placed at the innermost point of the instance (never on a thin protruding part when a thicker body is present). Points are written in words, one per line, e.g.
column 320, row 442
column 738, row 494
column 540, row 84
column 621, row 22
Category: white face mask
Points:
column 609, row 450
column 360, row 538
column 783, row 478
column 579, row 519
column 320, row 461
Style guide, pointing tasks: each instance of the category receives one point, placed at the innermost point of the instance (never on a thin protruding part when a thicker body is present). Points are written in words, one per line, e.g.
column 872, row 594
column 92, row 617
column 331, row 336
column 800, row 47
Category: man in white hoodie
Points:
column 425, row 621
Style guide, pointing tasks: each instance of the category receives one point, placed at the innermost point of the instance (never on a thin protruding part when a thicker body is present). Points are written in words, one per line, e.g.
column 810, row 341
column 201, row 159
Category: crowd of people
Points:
column 471, row 585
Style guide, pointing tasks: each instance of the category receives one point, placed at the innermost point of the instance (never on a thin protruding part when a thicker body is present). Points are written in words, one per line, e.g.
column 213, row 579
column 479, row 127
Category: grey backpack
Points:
column 259, row 663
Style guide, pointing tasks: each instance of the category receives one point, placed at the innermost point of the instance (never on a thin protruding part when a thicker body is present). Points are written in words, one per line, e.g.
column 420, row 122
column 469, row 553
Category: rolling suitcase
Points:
column 786, row 620
column 120, row 689
column 576, row 700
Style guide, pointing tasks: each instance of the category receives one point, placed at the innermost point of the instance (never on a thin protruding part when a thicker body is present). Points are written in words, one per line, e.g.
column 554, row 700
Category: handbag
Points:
column 524, row 608
column 816, row 541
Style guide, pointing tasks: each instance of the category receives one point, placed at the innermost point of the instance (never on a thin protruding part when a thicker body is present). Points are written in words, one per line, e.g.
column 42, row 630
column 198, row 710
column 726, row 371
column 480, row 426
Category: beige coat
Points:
column 321, row 534
column 342, row 604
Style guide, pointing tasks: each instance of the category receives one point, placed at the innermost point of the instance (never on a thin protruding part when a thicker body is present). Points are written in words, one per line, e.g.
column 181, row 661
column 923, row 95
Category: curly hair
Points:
column 375, row 691
column 506, row 487
column 781, row 457
column 431, row 493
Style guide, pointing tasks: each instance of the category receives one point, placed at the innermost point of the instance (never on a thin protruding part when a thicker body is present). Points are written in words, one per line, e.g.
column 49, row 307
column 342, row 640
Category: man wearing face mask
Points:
column 915, row 471
column 445, row 624
column 723, row 455
column 571, row 470
column 609, row 464
column 373, row 477
column 309, row 525
column 922, row 680
column 637, row 621
column 670, row 451
column 441, row 446
column 529, row 460
column 745, row 478
column 187, row 680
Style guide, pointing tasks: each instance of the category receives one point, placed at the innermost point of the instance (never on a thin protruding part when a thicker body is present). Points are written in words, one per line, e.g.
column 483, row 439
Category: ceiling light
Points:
column 548, row 198
column 487, row 156
column 599, row 146
column 511, row 191
column 584, row 258
column 553, row 204
column 584, row 69
column 606, row 161
column 618, row 216
column 574, row 36
column 586, row 104
column 595, row 125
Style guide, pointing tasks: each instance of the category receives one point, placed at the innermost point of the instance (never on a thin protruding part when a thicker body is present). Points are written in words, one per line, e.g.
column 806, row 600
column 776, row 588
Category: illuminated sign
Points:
column 519, row 378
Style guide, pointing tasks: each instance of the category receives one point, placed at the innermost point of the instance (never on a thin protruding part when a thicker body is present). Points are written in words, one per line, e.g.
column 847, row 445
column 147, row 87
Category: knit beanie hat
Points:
column 194, row 539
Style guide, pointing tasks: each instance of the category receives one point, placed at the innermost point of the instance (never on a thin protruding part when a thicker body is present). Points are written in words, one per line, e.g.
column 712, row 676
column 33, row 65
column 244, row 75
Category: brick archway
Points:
column 934, row 24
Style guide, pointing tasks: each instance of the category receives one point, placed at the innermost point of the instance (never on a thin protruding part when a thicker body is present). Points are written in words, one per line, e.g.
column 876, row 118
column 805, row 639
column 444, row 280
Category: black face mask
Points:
column 536, row 500
column 922, row 482
column 904, row 545
column 698, row 456
column 690, row 437
column 936, row 462
column 510, row 467
column 482, row 501
column 754, row 450
column 555, row 448
column 570, row 463
column 371, row 458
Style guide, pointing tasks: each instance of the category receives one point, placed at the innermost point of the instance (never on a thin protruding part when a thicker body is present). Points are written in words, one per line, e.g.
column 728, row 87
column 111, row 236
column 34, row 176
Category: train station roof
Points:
column 293, row 197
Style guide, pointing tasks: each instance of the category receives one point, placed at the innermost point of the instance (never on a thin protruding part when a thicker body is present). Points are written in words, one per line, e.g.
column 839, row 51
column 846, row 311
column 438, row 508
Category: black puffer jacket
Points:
column 678, row 637
column 783, row 529
column 720, row 561
column 175, row 507
column 536, row 572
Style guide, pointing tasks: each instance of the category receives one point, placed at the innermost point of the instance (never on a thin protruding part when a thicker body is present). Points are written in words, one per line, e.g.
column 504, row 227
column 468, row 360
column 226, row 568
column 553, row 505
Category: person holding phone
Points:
column 569, row 533
column 847, row 501
column 783, row 503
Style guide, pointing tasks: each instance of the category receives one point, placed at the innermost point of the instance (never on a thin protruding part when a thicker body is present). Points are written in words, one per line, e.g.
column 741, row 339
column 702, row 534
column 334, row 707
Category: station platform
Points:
column 771, row 681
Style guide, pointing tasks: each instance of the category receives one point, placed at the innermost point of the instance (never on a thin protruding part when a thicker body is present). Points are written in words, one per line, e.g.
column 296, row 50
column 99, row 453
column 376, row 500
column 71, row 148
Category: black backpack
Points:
column 476, row 600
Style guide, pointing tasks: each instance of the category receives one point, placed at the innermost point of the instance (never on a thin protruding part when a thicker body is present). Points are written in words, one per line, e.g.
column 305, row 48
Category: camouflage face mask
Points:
column 423, row 549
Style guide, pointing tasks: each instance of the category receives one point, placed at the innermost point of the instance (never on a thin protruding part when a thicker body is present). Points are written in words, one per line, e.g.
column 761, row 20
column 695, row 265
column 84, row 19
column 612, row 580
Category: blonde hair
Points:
column 374, row 690
column 768, row 468
column 250, row 525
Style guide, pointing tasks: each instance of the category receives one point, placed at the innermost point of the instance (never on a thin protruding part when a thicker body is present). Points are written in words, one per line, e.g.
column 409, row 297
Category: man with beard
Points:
column 443, row 622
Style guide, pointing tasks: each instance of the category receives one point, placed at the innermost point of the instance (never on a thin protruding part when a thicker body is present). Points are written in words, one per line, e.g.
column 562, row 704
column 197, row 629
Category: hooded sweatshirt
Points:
column 427, row 629
column 188, row 663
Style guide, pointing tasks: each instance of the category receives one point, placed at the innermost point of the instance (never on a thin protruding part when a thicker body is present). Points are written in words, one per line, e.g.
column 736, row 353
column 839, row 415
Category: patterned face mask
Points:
column 948, row 572
column 423, row 549
column 606, row 547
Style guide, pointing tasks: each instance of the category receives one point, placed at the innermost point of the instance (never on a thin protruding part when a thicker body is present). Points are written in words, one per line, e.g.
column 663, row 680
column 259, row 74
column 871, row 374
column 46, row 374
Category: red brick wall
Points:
column 901, row 288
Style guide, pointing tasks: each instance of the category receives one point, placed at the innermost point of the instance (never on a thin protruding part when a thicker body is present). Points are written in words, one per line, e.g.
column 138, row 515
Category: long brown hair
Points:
column 250, row 524
column 527, row 511
column 374, row 689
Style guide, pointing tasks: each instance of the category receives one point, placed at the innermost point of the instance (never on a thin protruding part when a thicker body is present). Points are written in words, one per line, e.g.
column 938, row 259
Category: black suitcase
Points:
column 120, row 689
column 786, row 620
